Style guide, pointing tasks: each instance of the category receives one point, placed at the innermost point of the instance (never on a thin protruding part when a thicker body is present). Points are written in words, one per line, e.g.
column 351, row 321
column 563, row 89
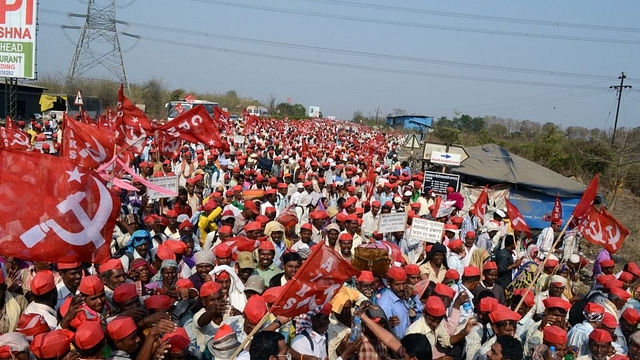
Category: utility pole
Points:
column 378, row 110
column 619, row 90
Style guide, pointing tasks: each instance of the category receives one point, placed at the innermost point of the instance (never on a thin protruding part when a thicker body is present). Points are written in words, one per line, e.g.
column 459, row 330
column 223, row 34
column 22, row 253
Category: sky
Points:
column 383, row 55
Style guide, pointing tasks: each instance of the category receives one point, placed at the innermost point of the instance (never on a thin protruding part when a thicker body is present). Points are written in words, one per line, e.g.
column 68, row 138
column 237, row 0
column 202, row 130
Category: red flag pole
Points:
column 541, row 266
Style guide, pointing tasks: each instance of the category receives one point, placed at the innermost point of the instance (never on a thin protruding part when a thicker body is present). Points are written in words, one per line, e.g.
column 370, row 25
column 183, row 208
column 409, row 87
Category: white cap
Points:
column 408, row 193
column 492, row 226
column 300, row 186
column 574, row 258
column 500, row 213
column 397, row 199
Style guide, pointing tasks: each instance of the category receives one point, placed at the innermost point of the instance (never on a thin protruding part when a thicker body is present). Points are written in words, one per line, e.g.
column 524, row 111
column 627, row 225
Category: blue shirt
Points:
column 394, row 306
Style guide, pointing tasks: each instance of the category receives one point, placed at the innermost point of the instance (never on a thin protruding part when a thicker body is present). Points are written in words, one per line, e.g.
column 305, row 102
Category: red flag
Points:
column 371, row 182
column 194, row 126
column 179, row 108
column 587, row 198
column 516, row 218
column 11, row 137
column 132, row 125
column 556, row 213
column 75, row 213
column 219, row 115
column 601, row 228
column 305, row 147
column 436, row 207
column 319, row 278
column 190, row 98
column 479, row 208
column 86, row 145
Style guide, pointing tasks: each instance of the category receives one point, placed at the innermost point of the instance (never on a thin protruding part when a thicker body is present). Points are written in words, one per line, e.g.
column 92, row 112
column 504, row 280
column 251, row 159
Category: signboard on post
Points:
column 439, row 182
column 445, row 158
column 165, row 182
column 430, row 147
column 392, row 222
column 426, row 230
column 18, row 40
column 412, row 142
column 78, row 101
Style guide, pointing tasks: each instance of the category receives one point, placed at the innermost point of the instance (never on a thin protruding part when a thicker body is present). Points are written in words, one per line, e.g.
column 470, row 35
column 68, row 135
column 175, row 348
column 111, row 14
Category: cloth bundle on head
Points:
column 342, row 296
column 165, row 264
column 138, row 238
column 237, row 299
column 32, row 324
column 224, row 343
column 13, row 343
column 204, row 257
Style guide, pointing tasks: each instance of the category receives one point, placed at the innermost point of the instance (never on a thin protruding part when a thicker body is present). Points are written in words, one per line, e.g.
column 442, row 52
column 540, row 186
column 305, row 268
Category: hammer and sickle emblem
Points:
column 97, row 155
column 91, row 227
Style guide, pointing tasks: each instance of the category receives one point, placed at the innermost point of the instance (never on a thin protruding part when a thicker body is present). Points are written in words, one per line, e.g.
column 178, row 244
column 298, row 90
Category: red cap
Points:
column 412, row 269
column 470, row 234
column 125, row 292
column 375, row 203
column 306, row 226
column 491, row 265
column 454, row 244
column 42, row 282
column 184, row 284
column 551, row 263
column 604, row 279
column 318, row 215
column 556, row 302
column 121, row 327
column 600, row 336
column 351, row 217
column 622, row 294
column 248, row 204
column 222, row 251
column 178, row 339
column 326, row 309
column 486, row 304
column 607, row 263
column 32, row 324
column 470, row 271
column 111, row 264
column 444, row 290
column 266, row 245
column 529, row 299
column 365, row 276
column 255, row 309
column 502, row 313
column 52, row 344
column 609, row 321
column 88, row 335
column 345, row 237
column 631, row 315
column 452, row 274
column 252, row 226
column 269, row 210
column 450, row 227
column 554, row 335
column 282, row 186
column 349, row 201
column 271, row 192
column 397, row 273
column 225, row 230
column 91, row 285
column 593, row 308
column 613, row 283
column 67, row 266
column 165, row 253
column 271, row 295
column 158, row 302
column 185, row 224
column 210, row 205
column 177, row 246
column 209, row 288
column 626, row 276
column 434, row 306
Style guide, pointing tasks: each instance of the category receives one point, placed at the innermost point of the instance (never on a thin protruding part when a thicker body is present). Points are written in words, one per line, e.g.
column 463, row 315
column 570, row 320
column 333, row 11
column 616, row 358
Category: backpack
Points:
column 576, row 313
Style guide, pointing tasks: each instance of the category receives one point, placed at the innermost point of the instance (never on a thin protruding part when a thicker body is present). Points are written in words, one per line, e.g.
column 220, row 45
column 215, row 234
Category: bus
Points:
column 257, row 111
column 172, row 112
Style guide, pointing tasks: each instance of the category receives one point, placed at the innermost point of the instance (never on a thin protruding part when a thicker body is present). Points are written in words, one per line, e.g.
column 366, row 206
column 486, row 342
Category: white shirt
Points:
column 369, row 223
column 544, row 242
column 203, row 334
column 302, row 345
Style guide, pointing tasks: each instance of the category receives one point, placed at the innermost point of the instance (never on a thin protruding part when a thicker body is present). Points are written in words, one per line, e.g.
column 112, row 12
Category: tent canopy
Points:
column 492, row 163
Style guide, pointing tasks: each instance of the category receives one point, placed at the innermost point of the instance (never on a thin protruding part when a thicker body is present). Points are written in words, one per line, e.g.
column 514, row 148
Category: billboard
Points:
column 314, row 111
column 18, row 38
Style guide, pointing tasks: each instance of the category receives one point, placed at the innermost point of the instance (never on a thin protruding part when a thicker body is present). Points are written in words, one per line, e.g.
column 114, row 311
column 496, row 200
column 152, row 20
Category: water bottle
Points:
column 552, row 350
column 356, row 329
column 569, row 356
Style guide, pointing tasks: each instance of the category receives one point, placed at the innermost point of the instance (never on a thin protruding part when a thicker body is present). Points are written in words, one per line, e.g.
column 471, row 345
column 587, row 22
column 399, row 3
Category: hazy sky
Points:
column 422, row 36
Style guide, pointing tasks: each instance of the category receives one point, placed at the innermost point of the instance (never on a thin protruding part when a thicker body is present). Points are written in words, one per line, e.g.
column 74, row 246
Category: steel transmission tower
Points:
column 98, row 43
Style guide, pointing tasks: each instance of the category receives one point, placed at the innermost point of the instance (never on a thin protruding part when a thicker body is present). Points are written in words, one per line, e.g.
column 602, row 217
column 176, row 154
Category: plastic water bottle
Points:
column 569, row 356
column 356, row 329
column 552, row 349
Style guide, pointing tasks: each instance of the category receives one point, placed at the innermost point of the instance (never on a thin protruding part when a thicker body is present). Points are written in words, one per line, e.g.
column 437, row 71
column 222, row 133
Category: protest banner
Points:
column 392, row 222
column 166, row 182
column 238, row 139
column 426, row 230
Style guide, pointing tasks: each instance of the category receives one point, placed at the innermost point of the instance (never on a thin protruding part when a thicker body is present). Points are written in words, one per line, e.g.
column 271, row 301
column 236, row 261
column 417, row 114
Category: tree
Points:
column 272, row 101
column 399, row 111
column 177, row 94
column 447, row 135
column 358, row 116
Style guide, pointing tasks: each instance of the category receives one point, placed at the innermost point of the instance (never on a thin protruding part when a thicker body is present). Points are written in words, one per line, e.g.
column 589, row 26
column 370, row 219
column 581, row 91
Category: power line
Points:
column 477, row 17
column 418, row 25
column 353, row 66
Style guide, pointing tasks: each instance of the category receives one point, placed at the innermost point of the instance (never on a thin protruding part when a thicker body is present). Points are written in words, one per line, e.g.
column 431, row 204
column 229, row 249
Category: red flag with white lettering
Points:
column 220, row 115
column 315, row 283
column 601, row 228
column 72, row 213
column 190, row 98
column 556, row 213
column 479, row 208
column 194, row 126
column 587, row 198
column 132, row 125
column 85, row 144
column 516, row 218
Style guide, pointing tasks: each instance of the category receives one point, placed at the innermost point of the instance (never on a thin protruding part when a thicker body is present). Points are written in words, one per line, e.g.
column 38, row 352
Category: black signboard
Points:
column 439, row 182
